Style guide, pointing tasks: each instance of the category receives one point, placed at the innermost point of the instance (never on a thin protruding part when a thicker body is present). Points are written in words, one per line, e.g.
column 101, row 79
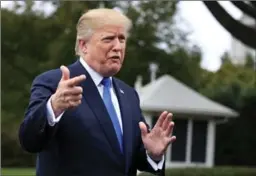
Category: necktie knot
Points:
column 106, row 81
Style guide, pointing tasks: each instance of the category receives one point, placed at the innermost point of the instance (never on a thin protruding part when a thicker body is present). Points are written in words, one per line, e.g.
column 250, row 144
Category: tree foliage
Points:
column 235, row 87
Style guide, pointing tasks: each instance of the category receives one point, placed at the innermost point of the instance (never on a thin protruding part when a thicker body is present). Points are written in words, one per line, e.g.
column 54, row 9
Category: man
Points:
column 84, row 122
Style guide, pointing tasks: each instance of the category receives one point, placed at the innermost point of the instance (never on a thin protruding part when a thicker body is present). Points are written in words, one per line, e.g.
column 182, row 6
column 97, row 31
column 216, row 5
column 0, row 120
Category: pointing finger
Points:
column 76, row 80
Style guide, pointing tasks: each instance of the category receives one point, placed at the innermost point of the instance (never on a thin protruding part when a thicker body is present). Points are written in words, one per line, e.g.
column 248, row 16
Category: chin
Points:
column 112, row 71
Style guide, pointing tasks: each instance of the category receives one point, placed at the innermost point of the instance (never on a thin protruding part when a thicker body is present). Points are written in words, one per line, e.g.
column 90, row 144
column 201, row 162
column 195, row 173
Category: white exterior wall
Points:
column 210, row 147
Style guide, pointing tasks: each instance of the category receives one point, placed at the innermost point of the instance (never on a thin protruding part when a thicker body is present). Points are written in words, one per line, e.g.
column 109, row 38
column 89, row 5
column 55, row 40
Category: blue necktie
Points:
column 106, row 82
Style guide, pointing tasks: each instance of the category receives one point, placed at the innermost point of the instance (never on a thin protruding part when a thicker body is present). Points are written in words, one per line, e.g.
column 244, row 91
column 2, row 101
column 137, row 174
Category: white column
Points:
column 210, row 145
column 189, row 141
column 148, row 117
column 168, row 155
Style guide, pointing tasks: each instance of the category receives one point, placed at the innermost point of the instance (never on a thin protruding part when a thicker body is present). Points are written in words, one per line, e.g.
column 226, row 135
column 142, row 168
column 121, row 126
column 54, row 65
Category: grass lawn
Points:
column 218, row 171
column 17, row 172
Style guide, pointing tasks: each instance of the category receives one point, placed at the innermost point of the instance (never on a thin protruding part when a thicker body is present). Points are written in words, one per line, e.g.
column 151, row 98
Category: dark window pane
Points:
column 154, row 120
column 199, row 141
column 178, row 150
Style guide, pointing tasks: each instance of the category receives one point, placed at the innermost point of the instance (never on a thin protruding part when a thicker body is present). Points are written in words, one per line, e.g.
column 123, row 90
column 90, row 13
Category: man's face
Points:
column 105, row 50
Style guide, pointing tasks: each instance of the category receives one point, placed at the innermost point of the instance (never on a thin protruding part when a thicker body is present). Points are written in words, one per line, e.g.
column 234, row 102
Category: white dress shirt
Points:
column 97, row 78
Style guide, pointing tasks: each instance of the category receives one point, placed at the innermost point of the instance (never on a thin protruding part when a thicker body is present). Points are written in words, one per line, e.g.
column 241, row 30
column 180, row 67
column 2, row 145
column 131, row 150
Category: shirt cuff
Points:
column 156, row 166
column 52, row 120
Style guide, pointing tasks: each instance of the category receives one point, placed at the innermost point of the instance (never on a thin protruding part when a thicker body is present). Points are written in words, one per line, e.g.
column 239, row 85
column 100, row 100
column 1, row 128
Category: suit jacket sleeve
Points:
column 35, row 132
column 142, row 163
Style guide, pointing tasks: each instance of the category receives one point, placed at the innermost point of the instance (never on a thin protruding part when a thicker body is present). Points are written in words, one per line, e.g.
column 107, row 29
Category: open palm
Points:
column 157, row 140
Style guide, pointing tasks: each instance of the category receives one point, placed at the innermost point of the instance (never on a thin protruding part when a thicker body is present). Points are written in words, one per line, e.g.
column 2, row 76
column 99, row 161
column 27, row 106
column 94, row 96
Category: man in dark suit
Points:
column 81, row 121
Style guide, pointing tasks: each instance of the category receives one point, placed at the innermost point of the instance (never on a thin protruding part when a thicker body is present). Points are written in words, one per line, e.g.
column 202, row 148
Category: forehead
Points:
column 111, row 30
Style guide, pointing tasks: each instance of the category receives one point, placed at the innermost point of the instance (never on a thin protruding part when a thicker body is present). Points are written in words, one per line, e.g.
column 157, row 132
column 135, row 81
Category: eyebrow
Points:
column 111, row 36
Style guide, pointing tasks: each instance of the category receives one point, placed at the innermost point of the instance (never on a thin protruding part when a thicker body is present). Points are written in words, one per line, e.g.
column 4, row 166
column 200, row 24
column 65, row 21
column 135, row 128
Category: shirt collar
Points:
column 96, row 77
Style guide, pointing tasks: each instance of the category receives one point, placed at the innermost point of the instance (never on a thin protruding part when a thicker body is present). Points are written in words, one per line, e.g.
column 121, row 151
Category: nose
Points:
column 117, row 45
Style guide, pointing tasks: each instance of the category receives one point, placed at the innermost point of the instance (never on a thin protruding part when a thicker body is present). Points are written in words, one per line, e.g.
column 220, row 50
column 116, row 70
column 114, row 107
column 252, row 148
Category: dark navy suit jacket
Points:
column 83, row 142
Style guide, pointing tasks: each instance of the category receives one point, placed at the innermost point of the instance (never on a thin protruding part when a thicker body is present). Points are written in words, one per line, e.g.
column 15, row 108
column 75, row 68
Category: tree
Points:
column 246, row 34
column 235, row 87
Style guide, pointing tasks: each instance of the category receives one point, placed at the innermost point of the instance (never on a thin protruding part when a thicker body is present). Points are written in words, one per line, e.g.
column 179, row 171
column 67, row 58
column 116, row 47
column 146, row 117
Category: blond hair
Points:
column 97, row 18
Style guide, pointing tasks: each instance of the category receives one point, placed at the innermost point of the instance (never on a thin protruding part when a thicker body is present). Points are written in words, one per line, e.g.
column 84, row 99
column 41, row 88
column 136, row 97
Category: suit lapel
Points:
column 94, row 100
column 126, row 121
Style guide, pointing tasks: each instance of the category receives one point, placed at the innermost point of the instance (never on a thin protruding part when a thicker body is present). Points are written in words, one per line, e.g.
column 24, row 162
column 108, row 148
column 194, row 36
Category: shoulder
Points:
column 127, row 88
column 122, row 84
column 49, row 77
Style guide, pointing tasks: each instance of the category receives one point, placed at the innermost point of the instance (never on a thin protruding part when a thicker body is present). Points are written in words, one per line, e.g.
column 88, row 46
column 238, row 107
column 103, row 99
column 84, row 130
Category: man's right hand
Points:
column 68, row 94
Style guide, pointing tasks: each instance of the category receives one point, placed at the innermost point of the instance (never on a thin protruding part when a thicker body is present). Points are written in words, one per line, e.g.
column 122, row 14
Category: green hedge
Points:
column 13, row 155
column 18, row 172
column 218, row 171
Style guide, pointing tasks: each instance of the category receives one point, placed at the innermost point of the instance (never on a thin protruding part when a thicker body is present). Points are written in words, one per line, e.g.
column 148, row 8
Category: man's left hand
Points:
column 158, row 139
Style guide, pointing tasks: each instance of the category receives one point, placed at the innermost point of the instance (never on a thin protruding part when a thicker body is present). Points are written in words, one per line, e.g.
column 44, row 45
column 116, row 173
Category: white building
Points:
column 239, row 51
column 195, row 118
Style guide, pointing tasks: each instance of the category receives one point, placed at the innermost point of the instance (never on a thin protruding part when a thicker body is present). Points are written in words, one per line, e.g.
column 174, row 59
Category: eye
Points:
column 121, row 38
column 108, row 39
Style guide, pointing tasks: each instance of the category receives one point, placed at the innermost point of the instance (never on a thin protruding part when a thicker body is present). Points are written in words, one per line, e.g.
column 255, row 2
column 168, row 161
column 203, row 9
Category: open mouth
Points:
column 115, row 57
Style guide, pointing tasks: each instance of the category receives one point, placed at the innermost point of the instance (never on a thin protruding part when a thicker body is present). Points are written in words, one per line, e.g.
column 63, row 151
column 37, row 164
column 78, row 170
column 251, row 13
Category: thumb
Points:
column 143, row 129
column 65, row 73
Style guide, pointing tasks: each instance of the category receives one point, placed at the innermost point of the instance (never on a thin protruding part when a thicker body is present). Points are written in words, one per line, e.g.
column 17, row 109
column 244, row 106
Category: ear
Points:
column 83, row 46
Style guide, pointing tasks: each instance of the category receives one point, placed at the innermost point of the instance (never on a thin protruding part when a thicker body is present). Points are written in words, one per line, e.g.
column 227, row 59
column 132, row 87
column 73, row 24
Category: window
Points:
column 154, row 120
column 199, row 141
column 178, row 149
